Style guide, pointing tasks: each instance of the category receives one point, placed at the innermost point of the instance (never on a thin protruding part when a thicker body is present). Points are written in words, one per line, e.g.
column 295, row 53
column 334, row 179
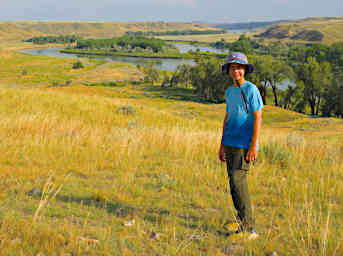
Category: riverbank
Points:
column 129, row 54
column 143, row 54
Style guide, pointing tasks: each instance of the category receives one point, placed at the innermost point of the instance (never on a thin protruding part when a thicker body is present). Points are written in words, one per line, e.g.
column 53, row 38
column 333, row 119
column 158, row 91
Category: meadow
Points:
column 133, row 169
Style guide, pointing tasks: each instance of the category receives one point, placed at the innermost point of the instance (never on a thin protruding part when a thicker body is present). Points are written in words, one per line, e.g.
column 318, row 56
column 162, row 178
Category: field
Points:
column 20, row 30
column 133, row 169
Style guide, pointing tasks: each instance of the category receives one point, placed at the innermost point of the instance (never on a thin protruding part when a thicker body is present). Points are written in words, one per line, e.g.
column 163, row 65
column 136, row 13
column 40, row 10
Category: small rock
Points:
column 196, row 237
column 233, row 248
column 35, row 192
column 129, row 223
column 16, row 241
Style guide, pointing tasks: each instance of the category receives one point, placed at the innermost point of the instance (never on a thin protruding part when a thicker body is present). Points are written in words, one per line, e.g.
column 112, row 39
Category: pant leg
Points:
column 237, row 169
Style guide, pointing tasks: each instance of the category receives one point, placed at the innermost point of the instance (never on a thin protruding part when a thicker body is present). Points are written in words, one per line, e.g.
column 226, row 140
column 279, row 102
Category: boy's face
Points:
column 237, row 71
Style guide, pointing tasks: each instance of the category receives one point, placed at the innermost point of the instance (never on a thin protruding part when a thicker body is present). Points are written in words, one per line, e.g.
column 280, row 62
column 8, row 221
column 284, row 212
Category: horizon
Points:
column 219, row 11
column 170, row 21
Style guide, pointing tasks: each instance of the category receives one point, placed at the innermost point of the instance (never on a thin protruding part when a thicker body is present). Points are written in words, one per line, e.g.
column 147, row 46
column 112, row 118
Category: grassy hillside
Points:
column 24, row 70
column 133, row 169
column 228, row 37
column 330, row 28
column 23, row 30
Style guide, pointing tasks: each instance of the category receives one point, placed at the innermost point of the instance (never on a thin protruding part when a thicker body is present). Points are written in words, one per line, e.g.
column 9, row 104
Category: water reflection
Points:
column 162, row 64
column 187, row 47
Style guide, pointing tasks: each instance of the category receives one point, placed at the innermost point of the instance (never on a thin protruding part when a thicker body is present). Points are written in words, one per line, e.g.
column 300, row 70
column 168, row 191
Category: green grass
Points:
column 171, row 55
column 24, row 70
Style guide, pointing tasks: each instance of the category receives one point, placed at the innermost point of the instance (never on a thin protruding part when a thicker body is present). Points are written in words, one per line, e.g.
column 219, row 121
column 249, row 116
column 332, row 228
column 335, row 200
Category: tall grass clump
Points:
column 277, row 154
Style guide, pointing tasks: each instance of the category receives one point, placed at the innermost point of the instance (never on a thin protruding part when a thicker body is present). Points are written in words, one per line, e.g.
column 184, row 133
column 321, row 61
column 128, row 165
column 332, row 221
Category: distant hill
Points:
column 326, row 30
column 247, row 25
column 23, row 30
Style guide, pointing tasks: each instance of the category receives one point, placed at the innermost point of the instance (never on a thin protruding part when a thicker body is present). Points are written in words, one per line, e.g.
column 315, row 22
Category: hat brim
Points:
column 248, row 68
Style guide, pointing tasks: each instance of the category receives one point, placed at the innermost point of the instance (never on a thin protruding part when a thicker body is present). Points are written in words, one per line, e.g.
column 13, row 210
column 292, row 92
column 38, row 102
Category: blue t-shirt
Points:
column 239, row 126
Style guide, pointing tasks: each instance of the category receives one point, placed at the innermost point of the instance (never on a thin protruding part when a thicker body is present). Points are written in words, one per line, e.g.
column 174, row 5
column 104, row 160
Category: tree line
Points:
column 53, row 39
column 123, row 43
column 312, row 73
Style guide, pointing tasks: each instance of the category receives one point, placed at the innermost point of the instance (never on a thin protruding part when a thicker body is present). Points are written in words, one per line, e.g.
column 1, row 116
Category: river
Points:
column 162, row 64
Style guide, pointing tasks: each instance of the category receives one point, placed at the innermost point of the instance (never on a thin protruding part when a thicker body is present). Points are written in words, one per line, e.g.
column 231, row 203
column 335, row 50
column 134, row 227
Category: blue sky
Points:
column 168, row 10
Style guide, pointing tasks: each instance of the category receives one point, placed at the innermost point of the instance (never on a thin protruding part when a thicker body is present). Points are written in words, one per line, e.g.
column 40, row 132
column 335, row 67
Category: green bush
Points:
column 68, row 82
column 78, row 65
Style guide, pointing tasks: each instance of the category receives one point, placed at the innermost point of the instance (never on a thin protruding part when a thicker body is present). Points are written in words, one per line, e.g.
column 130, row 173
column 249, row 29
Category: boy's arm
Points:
column 221, row 148
column 252, row 153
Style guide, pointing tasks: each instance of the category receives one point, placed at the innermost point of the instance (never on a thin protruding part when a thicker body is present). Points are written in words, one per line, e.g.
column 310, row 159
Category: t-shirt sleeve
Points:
column 256, row 102
column 226, row 99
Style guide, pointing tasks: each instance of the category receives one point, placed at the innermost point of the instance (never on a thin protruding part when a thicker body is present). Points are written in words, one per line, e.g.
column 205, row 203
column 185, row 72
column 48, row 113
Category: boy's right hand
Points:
column 221, row 153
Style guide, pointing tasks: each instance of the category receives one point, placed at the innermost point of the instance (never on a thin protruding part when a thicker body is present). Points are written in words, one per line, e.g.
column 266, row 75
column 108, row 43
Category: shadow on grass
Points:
column 173, row 93
column 119, row 209
column 153, row 215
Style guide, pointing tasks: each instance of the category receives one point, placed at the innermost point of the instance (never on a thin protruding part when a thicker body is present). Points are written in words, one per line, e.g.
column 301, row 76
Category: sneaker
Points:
column 243, row 235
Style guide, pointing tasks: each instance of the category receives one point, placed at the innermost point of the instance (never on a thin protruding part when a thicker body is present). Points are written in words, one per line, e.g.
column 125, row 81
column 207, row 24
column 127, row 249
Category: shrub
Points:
column 68, row 82
column 295, row 140
column 277, row 154
column 78, row 65
column 126, row 110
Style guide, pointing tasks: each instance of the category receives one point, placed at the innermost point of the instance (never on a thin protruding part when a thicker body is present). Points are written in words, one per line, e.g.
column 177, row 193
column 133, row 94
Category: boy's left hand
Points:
column 252, row 154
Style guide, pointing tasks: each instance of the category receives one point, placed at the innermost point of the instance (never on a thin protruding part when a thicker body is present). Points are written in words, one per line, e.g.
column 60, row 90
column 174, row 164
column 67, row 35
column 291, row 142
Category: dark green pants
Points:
column 237, row 169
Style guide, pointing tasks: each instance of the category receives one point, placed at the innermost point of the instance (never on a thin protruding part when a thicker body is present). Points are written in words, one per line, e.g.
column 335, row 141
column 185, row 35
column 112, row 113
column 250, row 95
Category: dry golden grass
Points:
column 77, row 162
column 330, row 27
column 19, row 30
column 160, row 168
column 228, row 37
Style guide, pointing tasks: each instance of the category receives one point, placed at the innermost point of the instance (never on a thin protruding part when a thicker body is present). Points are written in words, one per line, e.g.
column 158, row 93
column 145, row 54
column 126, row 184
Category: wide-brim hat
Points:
column 240, row 58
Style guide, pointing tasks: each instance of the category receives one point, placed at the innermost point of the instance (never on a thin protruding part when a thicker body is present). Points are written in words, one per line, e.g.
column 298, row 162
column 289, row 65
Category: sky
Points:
column 210, row 11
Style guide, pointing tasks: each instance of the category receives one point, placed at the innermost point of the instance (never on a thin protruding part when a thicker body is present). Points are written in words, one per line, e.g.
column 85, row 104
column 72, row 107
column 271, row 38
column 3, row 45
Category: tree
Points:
column 333, row 98
column 208, row 80
column 293, row 98
column 278, row 71
column 150, row 74
column 297, row 53
column 77, row 65
column 182, row 75
column 259, row 76
column 269, row 71
column 205, row 78
column 315, row 77
column 335, row 55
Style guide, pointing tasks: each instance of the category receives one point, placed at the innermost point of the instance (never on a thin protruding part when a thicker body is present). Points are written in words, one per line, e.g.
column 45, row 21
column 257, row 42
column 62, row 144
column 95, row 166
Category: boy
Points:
column 241, row 129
